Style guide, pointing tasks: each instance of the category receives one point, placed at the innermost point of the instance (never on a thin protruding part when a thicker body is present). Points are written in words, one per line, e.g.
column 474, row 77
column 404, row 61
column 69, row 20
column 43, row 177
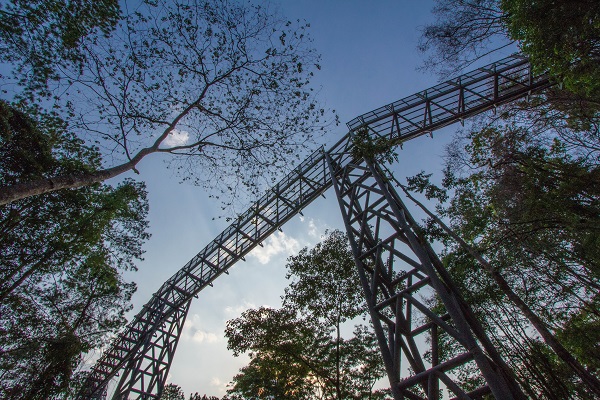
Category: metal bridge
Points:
column 394, row 263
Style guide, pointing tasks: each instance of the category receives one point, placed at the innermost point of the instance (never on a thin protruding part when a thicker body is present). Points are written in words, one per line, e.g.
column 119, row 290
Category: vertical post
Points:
column 380, row 228
column 146, row 374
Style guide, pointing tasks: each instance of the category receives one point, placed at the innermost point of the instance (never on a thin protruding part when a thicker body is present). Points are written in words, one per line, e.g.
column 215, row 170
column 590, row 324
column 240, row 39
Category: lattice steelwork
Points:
column 399, row 273
column 423, row 112
column 146, row 374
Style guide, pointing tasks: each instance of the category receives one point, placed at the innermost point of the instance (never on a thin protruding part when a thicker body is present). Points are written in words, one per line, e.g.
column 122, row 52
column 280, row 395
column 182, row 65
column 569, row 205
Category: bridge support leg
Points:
column 145, row 375
column 417, row 313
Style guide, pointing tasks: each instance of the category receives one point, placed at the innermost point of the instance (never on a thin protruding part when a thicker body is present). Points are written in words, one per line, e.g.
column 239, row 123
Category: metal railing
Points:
column 444, row 104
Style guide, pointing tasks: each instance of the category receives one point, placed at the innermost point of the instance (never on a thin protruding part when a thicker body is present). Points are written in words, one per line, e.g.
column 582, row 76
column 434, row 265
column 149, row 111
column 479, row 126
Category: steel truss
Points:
column 444, row 104
column 146, row 374
column 400, row 274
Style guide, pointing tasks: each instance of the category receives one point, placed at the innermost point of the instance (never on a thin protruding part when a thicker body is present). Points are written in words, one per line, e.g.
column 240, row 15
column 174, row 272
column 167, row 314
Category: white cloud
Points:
column 312, row 229
column 234, row 311
column 219, row 384
column 315, row 229
column 202, row 336
column 177, row 138
column 193, row 332
column 276, row 244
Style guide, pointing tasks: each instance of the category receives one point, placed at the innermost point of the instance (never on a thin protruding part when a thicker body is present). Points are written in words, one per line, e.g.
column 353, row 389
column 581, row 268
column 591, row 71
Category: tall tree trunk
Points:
column 20, row 191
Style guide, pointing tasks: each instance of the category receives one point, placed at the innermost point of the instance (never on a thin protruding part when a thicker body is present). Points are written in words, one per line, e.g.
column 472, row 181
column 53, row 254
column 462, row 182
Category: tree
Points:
column 561, row 38
column 280, row 344
column 522, row 187
column 530, row 206
column 61, row 256
column 221, row 86
column 266, row 378
column 172, row 392
column 302, row 341
column 38, row 38
column 463, row 32
column 325, row 285
column 196, row 396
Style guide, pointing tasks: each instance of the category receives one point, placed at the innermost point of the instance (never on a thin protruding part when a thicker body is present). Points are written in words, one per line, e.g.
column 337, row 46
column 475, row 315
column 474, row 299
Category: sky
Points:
column 369, row 59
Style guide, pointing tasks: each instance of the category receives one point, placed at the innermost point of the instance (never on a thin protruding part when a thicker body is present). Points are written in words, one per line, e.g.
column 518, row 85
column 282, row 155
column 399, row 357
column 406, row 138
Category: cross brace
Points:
column 400, row 274
column 444, row 104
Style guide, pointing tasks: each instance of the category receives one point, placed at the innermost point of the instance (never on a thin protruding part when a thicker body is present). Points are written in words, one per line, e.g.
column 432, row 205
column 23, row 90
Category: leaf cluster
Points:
column 61, row 289
column 38, row 38
column 561, row 38
column 529, row 203
column 373, row 147
column 298, row 351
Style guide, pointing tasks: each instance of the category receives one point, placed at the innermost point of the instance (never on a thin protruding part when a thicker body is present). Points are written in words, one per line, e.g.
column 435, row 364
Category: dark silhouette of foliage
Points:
column 61, row 256
column 224, row 87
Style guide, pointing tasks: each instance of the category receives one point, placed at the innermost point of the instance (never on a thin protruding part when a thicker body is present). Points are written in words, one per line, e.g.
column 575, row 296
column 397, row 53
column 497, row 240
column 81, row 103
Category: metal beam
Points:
column 380, row 228
column 405, row 119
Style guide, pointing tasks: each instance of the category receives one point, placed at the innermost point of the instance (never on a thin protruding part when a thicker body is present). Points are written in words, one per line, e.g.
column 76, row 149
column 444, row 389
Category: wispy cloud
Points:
column 234, row 311
column 193, row 332
column 277, row 244
column 177, row 138
column 218, row 382
column 313, row 231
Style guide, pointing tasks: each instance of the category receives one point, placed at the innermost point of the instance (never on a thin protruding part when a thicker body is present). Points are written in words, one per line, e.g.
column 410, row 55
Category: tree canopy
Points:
column 221, row 86
column 61, row 257
column 299, row 351
column 561, row 37
column 40, row 37
column 519, row 197
column 527, row 203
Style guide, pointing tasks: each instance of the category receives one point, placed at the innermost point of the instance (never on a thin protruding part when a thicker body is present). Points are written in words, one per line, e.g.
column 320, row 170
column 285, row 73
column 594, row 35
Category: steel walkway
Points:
column 144, row 350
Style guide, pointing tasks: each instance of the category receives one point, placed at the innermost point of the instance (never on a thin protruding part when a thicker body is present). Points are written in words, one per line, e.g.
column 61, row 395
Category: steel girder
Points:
column 146, row 374
column 444, row 104
column 418, row 315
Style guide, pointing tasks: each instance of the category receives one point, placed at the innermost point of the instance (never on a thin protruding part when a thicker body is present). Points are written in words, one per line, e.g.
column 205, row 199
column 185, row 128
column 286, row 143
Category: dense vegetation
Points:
column 224, row 87
column 61, row 257
column 299, row 351
column 521, row 192
column 519, row 202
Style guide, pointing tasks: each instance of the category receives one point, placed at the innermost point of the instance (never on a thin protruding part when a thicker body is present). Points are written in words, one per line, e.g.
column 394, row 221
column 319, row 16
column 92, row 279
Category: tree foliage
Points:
column 299, row 351
column 561, row 37
column 221, row 86
column 463, row 32
column 521, row 191
column 38, row 38
column 172, row 391
column 529, row 205
column 61, row 257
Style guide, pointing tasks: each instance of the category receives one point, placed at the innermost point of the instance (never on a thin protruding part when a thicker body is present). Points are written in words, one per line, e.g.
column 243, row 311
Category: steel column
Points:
column 145, row 375
column 416, row 311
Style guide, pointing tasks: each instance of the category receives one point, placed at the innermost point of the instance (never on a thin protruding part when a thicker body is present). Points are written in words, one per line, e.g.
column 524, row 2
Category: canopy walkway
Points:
column 394, row 263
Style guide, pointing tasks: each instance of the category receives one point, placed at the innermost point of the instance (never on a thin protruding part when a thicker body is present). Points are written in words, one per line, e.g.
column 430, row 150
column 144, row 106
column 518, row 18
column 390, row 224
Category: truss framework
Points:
column 146, row 374
column 399, row 273
column 439, row 106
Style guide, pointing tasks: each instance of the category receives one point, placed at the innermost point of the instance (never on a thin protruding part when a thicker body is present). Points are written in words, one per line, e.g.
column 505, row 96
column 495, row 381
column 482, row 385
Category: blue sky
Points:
column 369, row 59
